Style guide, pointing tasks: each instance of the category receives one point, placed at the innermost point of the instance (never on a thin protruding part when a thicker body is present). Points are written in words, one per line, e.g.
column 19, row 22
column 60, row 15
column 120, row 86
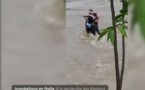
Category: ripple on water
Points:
column 103, row 44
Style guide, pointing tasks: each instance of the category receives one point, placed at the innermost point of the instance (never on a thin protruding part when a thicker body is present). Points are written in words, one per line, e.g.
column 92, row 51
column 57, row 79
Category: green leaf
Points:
column 111, row 36
column 125, row 7
column 122, row 30
column 142, row 30
column 103, row 30
column 139, row 16
column 102, row 33
column 108, row 37
column 124, row 11
column 133, row 23
column 124, row 26
column 111, row 27
column 119, row 18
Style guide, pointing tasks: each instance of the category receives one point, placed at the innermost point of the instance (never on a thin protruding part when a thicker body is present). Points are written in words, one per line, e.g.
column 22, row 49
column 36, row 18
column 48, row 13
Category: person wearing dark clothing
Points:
column 96, row 23
column 90, row 11
column 90, row 24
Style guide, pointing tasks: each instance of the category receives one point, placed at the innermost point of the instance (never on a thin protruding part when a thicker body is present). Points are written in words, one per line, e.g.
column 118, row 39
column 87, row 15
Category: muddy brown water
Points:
column 33, row 43
column 38, row 49
column 90, row 62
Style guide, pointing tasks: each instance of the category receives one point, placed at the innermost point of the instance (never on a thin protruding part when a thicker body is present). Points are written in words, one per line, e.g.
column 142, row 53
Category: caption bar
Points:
column 59, row 87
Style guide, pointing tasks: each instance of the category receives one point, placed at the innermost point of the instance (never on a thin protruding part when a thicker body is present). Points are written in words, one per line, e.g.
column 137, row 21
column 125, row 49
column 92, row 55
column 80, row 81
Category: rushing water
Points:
column 33, row 42
column 37, row 50
column 90, row 62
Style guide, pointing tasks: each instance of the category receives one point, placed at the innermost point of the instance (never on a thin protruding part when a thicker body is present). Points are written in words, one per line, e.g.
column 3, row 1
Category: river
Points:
column 38, row 48
column 90, row 62
column 33, row 42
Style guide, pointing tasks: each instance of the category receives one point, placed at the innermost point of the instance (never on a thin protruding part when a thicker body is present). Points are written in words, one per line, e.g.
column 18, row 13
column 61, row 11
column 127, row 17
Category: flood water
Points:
column 33, row 42
column 38, row 48
column 89, row 61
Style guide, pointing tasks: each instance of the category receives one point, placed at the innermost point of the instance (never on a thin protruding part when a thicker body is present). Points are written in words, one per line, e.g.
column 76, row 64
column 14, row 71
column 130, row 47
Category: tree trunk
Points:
column 123, row 61
column 123, row 54
column 115, row 47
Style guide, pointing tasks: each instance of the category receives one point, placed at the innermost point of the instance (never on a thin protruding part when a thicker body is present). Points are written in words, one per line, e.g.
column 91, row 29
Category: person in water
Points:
column 90, row 11
column 96, row 23
column 90, row 23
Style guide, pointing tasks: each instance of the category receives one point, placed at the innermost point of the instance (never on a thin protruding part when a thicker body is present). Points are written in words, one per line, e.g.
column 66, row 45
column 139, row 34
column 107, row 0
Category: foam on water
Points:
column 92, row 59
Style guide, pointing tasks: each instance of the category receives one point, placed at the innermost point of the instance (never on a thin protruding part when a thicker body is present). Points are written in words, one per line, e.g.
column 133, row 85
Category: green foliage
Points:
column 111, row 35
column 119, row 18
column 102, row 33
column 124, row 11
column 122, row 30
column 125, row 27
column 109, row 31
column 139, row 15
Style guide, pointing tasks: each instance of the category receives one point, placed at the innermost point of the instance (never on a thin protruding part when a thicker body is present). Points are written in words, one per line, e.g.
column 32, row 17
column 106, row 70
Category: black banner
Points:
column 59, row 87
